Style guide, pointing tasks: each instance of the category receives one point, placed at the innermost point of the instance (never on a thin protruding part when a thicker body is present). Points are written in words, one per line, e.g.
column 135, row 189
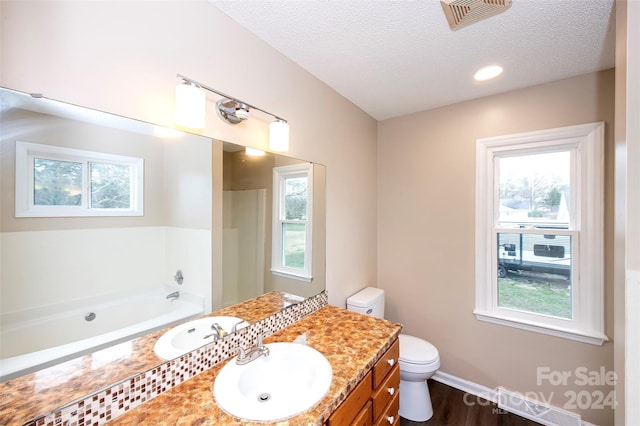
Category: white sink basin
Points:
column 191, row 335
column 288, row 381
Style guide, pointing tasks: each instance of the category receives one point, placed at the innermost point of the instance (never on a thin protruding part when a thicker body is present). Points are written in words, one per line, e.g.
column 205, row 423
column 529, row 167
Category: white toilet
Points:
column 419, row 359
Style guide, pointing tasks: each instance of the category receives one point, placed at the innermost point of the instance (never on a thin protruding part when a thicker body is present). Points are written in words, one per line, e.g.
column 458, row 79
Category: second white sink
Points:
column 288, row 381
column 191, row 335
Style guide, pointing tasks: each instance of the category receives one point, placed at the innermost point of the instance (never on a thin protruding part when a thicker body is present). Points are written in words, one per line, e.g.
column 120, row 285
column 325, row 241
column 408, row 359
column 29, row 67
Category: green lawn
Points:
column 294, row 245
column 534, row 295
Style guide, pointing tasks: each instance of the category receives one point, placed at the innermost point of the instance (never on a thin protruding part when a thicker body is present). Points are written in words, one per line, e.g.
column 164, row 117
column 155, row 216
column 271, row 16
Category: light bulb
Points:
column 190, row 106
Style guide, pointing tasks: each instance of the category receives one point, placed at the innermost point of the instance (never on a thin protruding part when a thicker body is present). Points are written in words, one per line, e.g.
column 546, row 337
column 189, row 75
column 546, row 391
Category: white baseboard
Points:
column 466, row 386
column 540, row 412
column 519, row 407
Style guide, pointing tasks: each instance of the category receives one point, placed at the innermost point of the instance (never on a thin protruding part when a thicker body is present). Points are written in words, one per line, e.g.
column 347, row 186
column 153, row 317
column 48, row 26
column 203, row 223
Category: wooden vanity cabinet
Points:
column 386, row 387
column 356, row 406
column 375, row 400
column 386, row 400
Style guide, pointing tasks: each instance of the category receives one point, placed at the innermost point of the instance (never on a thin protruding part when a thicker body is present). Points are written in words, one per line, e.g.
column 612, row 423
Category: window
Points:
column 539, row 231
column 52, row 181
column 292, row 221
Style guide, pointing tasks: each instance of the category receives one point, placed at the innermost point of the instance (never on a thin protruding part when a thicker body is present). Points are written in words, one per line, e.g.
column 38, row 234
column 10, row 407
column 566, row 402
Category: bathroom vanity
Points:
column 362, row 351
column 376, row 398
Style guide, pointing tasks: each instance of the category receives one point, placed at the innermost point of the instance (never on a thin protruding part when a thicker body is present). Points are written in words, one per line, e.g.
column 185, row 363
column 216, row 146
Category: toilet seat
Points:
column 417, row 352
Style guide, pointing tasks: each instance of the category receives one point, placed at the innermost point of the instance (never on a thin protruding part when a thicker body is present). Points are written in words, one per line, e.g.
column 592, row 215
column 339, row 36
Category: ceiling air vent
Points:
column 461, row 13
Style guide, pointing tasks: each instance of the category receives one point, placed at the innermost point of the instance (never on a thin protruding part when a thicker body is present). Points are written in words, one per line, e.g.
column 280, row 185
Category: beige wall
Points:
column 187, row 183
column 426, row 186
column 123, row 57
column 619, row 263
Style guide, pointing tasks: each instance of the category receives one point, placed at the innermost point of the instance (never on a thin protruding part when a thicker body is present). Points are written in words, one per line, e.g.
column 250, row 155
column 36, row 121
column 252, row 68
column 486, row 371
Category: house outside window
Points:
column 292, row 221
column 53, row 181
column 539, row 231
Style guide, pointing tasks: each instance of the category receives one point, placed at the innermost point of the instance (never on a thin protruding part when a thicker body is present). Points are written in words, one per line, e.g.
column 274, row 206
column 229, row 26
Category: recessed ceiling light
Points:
column 488, row 72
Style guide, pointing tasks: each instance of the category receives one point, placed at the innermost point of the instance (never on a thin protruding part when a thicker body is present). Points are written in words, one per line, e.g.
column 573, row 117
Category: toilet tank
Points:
column 369, row 301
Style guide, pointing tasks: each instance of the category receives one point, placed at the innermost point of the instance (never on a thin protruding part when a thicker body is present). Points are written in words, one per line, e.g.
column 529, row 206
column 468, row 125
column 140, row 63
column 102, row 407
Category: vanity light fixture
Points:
column 279, row 135
column 488, row 72
column 230, row 109
column 190, row 105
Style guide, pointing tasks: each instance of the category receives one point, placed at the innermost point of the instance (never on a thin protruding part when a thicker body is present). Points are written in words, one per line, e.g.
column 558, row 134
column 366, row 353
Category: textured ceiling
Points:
column 392, row 58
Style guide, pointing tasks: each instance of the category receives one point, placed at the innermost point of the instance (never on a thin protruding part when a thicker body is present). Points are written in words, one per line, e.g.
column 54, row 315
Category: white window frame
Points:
column 586, row 142
column 280, row 174
column 25, row 207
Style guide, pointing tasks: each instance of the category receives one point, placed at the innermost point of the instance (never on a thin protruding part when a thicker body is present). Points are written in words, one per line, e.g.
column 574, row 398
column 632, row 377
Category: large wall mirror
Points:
column 104, row 218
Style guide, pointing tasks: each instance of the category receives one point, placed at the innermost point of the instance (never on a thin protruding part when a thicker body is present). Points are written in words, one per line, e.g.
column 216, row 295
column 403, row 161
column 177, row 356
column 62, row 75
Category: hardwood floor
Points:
column 450, row 409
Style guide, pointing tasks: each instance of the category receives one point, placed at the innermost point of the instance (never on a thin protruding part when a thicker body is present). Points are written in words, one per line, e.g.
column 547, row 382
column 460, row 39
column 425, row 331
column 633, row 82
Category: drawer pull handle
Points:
column 390, row 419
column 391, row 362
column 391, row 391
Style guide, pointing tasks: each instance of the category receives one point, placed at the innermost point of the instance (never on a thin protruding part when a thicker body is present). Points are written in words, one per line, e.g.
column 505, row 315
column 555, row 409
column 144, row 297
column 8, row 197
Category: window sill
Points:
column 57, row 211
column 291, row 275
column 579, row 336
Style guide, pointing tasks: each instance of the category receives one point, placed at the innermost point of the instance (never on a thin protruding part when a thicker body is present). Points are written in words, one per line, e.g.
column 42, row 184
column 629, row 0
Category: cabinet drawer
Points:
column 385, row 364
column 365, row 418
column 387, row 390
column 390, row 415
column 350, row 408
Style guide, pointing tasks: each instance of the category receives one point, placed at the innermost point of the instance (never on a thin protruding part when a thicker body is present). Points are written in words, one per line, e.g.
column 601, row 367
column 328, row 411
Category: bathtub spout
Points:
column 173, row 296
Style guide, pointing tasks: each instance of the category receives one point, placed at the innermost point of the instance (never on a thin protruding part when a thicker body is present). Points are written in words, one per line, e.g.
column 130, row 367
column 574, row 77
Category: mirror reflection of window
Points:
column 292, row 225
column 53, row 181
column 56, row 182
column 110, row 185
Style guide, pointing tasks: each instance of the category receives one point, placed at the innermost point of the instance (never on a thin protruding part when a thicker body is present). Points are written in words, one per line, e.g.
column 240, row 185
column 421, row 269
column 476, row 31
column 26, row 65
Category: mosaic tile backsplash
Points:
column 107, row 404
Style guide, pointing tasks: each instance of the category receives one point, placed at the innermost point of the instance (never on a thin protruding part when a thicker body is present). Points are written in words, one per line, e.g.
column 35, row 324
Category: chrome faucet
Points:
column 246, row 356
column 234, row 328
column 173, row 295
column 219, row 331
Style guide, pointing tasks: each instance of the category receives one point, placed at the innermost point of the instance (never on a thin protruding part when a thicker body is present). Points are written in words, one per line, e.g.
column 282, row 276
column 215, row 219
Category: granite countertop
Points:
column 39, row 393
column 351, row 342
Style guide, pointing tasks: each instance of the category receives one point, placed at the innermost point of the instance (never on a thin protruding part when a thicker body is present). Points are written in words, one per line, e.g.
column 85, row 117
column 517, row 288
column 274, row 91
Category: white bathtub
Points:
column 47, row 336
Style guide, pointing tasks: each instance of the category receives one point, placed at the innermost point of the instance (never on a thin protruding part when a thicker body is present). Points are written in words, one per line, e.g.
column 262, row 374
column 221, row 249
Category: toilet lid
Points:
column 417, row 351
